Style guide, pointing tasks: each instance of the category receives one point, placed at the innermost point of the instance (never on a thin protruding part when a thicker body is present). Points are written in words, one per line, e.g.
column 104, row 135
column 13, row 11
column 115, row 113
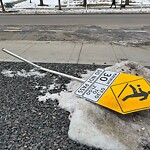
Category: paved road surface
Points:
column 102, row 20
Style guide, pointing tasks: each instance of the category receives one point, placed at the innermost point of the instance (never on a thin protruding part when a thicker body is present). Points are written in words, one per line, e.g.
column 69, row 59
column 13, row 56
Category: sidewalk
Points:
column 74, row 52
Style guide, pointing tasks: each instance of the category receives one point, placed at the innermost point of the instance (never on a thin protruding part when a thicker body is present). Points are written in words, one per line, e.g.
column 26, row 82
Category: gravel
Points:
column 26, row 123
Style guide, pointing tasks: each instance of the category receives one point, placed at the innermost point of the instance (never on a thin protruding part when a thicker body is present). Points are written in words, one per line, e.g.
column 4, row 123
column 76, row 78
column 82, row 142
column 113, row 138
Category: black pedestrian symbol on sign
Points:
column 141, row 93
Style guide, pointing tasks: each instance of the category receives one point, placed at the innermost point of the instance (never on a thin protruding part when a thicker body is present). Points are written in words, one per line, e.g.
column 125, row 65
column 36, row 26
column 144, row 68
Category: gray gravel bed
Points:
column 26, row 123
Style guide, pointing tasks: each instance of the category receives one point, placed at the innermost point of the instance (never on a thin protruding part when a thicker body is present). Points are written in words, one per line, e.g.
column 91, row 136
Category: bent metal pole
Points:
column 41, row 68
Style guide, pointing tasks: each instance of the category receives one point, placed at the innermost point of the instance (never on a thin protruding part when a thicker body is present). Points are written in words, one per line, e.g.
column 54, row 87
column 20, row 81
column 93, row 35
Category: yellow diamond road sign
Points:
column 121, row 92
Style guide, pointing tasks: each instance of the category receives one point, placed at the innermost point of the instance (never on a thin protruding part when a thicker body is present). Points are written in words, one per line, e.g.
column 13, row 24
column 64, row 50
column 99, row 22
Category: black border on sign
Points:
column 118, row 101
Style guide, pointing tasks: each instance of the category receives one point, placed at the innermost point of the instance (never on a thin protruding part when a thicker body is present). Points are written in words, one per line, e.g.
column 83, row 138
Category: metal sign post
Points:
column 41, row 68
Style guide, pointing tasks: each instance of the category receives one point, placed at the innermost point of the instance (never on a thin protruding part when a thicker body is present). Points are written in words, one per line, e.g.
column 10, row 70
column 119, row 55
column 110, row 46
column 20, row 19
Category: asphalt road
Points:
column 100, row 20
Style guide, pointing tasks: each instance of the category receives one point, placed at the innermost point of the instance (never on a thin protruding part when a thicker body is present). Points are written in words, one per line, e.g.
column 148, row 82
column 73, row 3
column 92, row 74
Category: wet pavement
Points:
column 132, row 36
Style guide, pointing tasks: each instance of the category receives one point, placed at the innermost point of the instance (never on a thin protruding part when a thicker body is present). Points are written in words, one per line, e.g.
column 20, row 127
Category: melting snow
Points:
column 137, row 6
column 97, row 126
column 23, row 73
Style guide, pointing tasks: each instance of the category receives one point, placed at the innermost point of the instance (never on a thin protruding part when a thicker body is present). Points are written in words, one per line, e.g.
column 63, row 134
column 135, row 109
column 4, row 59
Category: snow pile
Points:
column 35, row 3
column 70, row 3
column 131, row 68
column 97, row 126
column 84, row 11
column 10, row 1
column 141, row 1
column 23, row 73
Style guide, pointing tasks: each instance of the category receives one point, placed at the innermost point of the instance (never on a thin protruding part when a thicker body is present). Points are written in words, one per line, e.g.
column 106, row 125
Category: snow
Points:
column 23, row 73
column 70, row 6
column 82, row 11
column 8, row 1
column 126, row 66
column 53, row 3
column 94, row 125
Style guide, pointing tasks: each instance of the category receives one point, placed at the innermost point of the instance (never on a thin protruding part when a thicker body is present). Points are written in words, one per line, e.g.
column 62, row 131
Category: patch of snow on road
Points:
column 23, row 73
column 97, row 126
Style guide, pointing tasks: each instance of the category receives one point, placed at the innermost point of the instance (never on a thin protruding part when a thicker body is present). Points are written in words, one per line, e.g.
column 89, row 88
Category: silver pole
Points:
column 41, row 68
